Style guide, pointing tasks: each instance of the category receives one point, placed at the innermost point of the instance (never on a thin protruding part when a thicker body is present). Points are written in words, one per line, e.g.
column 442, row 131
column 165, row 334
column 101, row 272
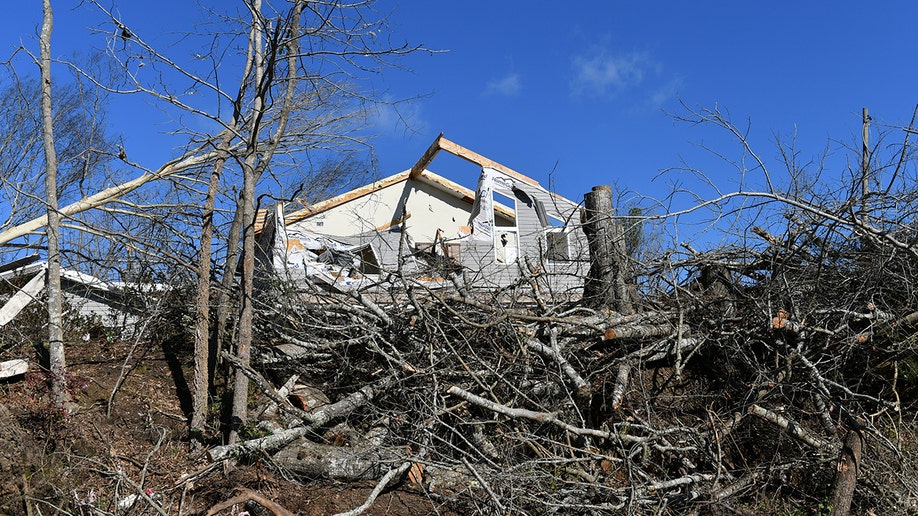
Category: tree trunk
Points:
column 605, row 286
column 846, row 474
column 202, row 370
column 247, row 312
column 57, row 363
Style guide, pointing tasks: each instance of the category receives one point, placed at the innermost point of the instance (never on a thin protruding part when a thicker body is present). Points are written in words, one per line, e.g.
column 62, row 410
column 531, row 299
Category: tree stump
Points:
column 605, row 285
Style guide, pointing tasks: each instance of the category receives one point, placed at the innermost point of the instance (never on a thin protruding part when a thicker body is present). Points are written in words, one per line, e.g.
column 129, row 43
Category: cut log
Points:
column 310, row 460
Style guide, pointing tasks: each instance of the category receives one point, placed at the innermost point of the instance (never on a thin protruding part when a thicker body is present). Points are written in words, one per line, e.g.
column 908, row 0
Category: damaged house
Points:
column 421, row 225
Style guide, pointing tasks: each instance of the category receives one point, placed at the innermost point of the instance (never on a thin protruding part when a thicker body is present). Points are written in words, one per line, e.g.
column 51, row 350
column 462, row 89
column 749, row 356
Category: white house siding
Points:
column 358, row 215
column 430, row 209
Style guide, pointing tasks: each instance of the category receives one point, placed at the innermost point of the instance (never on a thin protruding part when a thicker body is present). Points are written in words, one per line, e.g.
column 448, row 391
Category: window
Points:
column 500, row 215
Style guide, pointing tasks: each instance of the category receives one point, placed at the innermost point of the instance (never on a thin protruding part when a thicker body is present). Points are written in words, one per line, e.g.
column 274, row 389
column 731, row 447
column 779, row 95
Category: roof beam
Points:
column 455, row 149
column 426, row 158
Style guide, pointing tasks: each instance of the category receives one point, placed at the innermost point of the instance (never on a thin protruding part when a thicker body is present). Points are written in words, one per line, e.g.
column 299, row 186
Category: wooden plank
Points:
column 469, row 155
column 394, row 222
column 12, row 368
column 22, row 298
column 426, row 158
column 328, row 204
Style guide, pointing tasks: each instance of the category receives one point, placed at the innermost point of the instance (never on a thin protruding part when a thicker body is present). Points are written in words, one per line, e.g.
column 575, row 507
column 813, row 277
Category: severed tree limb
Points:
column 383, row 482
column 793, row 429
column 541, row 417
column 583, row 387
column 246, row 495
column 109, row 194
column 642, row 331
column 732, row 489
column 267, row 443
column 621, row 384
column 314, row 420
column 681, row 481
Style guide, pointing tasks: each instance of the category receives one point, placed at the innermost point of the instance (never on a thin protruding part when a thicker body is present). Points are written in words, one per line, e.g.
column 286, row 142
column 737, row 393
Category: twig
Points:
column 541, row 417
column 583, row 387
column 793, row 429
column 266, row 388
column 246, row 495
column 383, row 482
column 484, row 485
column 681, row 481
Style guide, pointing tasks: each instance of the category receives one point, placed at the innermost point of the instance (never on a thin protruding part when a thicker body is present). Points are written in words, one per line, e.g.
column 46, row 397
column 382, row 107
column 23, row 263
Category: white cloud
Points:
column 666, row 92
column 391, row 118
column 506, row 86
column 603, row 74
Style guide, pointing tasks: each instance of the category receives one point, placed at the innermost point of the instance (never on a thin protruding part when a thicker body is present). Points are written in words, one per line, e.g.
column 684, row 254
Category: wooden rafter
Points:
column 455, row 149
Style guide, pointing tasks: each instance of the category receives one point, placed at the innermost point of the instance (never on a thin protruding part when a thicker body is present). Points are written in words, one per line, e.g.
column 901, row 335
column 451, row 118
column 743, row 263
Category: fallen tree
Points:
column 739, row 380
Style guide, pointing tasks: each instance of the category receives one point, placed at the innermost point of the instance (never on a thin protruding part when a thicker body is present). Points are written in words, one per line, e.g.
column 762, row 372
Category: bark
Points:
column 202, row 362
column 246, row 314
column 312, row 460
column 58, row 365
column 314, row 420
column 793, row 429
column 605, row 285
column 846, row 474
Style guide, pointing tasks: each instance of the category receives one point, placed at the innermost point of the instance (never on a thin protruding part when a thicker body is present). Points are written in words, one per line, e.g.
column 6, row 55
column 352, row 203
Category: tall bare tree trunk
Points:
column 268, row 148
column 202, row 375
column 57, row 362
column 246, row 315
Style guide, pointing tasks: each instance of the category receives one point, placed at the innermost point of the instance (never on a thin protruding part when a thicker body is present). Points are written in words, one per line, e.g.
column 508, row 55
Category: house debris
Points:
column 421, row 225
column 111, row 304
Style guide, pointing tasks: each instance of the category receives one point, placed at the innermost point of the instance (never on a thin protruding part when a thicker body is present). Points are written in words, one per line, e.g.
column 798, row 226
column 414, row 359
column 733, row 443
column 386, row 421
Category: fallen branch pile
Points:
column 716, row 392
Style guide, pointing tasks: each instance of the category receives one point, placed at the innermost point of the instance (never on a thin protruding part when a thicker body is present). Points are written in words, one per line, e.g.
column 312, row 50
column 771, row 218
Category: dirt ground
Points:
column 100, row 458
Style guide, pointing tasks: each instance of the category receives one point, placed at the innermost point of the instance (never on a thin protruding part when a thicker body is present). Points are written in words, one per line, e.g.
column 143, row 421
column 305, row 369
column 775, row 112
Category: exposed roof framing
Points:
column 455, row 149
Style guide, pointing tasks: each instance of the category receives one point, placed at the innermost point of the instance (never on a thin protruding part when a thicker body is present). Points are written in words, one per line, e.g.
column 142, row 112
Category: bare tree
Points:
column 287, row 104
column 57, row 361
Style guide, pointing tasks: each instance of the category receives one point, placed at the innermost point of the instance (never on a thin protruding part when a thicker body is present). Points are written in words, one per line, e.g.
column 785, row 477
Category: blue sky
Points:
column 577, row 94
